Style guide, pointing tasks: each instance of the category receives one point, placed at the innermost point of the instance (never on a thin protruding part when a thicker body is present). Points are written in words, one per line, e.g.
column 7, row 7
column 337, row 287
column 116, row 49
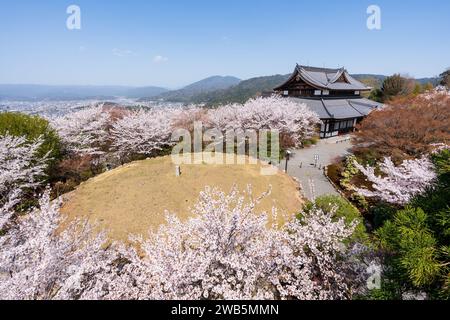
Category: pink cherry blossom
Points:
column 227, row 250
column 84, row 132
column 143, row 131
column 20, row 169
column 398, row 185
column 274, row 112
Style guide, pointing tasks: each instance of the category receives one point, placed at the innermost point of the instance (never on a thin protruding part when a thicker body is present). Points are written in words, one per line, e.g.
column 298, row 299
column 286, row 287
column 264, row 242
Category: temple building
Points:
column 333, row 94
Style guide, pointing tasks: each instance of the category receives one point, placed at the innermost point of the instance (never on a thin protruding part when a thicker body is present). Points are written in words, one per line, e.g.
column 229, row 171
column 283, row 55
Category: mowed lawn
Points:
column 134, row 198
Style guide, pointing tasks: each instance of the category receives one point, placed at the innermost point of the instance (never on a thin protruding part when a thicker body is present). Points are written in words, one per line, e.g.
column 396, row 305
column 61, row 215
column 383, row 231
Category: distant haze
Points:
column 45, row 92
column 214, row 89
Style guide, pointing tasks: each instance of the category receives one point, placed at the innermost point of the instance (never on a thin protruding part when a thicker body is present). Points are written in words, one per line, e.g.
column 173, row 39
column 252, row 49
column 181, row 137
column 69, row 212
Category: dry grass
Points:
column 132, row 199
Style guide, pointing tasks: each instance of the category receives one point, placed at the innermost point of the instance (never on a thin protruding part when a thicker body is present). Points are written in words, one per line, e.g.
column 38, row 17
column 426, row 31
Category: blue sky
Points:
column 119, row 40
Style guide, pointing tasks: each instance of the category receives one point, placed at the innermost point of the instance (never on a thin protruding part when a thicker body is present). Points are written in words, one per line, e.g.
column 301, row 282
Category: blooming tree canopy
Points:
column 225, row 251
column 143, row 131
column 84, row 131
column 37, row 262
column 88, row 131
column 398, row 185
column 274, row 112
column 20, row 169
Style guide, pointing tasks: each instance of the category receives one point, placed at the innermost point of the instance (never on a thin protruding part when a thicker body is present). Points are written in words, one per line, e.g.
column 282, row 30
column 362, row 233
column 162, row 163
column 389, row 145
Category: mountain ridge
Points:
column 203, row 86
column 212, row 90
column 252, row 87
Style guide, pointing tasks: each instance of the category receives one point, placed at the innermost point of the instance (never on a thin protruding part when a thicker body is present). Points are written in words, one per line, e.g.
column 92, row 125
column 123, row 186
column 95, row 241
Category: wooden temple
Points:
column 333, row 94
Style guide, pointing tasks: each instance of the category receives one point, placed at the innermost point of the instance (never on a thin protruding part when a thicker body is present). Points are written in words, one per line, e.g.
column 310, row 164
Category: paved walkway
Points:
column 302, row 164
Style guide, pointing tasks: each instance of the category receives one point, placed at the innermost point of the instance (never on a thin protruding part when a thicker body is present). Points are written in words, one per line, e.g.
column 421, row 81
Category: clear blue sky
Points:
column 119, row 40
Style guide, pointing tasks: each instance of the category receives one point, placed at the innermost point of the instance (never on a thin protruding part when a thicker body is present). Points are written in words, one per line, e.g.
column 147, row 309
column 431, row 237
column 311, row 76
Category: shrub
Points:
column 381, row 212
column 396, row 85
column 345, row 210
column 428, row 87
column 360, row 201
column 436, row 200
column 376, row 95
column 307, row 143
column 349, row 171
column 412, row 249
column 73, row 170
column 416, row 240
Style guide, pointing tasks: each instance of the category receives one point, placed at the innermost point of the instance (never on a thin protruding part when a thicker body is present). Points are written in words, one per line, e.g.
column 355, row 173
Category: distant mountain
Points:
column 144, row 92
column 376, row 80
column 359, row 76
column 45, row 92
column 250, row 88
column 213, row 83
column 434, row 81
column 204, row 86
column 256, row 86
column 241, row 92
column 372, row 80
column 213, row 90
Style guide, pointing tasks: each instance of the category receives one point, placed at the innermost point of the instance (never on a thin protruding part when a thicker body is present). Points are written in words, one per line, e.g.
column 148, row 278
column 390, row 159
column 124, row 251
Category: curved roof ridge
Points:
column 292, row 76
column 326, row 109
column 319, row 69
column 351, row 105
column 338, row 75
column 310, row 79
column 366, row 102
column 322, row 78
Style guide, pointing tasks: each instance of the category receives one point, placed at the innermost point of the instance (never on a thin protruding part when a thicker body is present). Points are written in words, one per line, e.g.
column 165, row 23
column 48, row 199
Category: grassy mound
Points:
column 133, row 198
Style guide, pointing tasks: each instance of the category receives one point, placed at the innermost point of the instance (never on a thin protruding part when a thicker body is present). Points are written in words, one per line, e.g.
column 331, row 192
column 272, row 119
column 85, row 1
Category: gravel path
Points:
column 302, row 164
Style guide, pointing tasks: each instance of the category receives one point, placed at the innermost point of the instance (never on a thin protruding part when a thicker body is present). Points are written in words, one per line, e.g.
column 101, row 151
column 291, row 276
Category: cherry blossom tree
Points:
column 38, row 262
column 143, row 131
column 439, row 147
column 275, row 112
column 185, row 117
column 398, row 185
column 225, row 251
column 84, row 132
column 7, row 207
column 20, row 170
